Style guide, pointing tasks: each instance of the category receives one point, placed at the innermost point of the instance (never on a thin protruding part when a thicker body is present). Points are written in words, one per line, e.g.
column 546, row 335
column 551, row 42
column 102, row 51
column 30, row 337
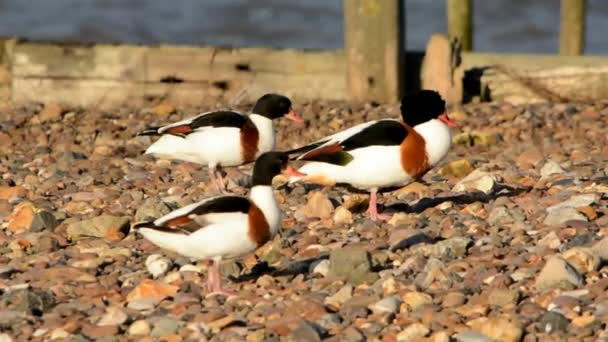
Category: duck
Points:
column 222, row 138
column 383, row 153
column 225, row 226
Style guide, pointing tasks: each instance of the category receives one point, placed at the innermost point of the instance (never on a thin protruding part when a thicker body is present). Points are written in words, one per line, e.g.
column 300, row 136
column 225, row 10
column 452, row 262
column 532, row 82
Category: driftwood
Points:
column 537, row 78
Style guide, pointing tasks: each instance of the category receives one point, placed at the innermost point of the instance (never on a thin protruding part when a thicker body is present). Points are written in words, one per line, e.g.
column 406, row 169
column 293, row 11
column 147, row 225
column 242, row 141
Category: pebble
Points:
column 105, row 226
column 472, row 336
column 164, row 326
column 318, row 206
column 386, row 305
column 157, row 265
column 320, row 267
column 139, row 327
column 554, row 321
column 560, row 216
column 412, row 332
column 477, row 180
column 497, row 328
column 551, row 168
column 113, row 316
column 340, row 297
column 352, row 264
column 558, row 274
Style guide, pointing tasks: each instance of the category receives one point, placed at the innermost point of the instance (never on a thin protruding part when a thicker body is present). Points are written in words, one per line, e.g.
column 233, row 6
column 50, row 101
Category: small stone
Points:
column 219, row 324
column 583, row 259
column 31, row 301
column 304, row 332
column 157, row 265
column 139, row 327
column 113, row 316
column 386, row 305
column 450, row 248
column 551, row 168
column 352, row 264
column 96, row 332
column 6, row 338
column 142, row 304
column 412, row 332
column 550, row 240
column 499, row 329
column 163, row 109
column 558, row 274
column 554, row 321
column 343, row 216
column 600, row 249
column 575, row 202
column 415, row 300
column 318, row 206
column 320, row 267
column 477, row 180
column 105, row 226
column 165, row 326
column 529, row 158
column 583, row 321
column 22, row 217
column 458, row 168
column 58, row 333
column 151, row 209
column 153, row 290
column 472, row 336
column 505, row 298
column 9, row 193
column 50, row 111
column 340, row 297
column 453, row 299
column 560, row 216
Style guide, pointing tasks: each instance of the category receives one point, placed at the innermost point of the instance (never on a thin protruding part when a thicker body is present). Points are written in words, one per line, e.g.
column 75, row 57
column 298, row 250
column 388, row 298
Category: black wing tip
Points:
column 143, row 224
column 149, row 131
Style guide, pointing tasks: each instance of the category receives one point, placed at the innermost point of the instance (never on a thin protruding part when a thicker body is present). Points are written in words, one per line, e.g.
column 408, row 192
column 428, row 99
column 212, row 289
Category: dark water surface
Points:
column 525, row 26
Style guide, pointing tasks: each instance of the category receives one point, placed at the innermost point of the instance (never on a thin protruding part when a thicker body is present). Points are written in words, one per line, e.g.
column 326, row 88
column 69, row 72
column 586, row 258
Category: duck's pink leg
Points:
column 214, row 281
column 372, row 210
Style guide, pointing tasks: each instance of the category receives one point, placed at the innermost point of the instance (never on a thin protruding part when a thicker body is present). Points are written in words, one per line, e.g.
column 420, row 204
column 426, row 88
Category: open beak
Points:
column 446, row 120
column 293, row 116
column 292, row 172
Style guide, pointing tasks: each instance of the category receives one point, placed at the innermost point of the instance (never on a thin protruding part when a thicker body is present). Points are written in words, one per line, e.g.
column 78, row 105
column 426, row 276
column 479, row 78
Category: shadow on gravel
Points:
column 465, row 198
column 293, row 268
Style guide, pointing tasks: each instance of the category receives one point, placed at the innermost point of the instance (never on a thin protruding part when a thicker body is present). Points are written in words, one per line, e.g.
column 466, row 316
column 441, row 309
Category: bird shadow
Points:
column 291, row 269
column 421, row 205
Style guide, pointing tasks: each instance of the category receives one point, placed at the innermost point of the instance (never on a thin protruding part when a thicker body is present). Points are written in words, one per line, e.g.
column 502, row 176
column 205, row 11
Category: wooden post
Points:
column 572, row 27
column 460, row 22
column 374, row 37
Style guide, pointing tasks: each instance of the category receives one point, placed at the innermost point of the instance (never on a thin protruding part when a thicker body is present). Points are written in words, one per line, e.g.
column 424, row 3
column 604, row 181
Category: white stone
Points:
column 386, row 305
column 477, row 180
column 113, row 316
column 157, row 265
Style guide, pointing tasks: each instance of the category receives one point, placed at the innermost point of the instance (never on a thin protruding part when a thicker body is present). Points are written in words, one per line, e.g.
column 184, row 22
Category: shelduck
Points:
column 224, row 227
column 381, row 153
column 222, row 138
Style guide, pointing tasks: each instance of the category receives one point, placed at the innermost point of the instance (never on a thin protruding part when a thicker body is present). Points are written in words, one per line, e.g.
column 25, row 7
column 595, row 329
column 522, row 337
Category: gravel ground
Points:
column 506, row 240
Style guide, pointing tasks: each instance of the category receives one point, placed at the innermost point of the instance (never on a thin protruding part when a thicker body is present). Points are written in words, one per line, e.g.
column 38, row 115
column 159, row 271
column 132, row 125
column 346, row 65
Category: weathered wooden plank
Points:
column 204, row 64
column 110, row 62
column 528, row 61
column 460, row 22
column 374, row 34
column 561, row 84
column 77, row 92
column 572, row 27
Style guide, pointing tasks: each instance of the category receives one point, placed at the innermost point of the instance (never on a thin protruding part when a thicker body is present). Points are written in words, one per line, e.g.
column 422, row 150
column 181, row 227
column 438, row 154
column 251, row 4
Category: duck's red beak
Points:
column 446, row 120
column 294, row 117
column 292, row 172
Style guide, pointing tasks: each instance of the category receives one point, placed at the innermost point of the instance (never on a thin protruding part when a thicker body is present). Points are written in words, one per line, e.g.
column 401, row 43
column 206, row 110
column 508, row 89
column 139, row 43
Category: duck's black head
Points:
column 267, row 166
column 422, row 106
column 274, row 106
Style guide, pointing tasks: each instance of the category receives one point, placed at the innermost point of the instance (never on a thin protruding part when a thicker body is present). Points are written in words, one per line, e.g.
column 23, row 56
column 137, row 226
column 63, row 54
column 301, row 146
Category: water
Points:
column 517, row 26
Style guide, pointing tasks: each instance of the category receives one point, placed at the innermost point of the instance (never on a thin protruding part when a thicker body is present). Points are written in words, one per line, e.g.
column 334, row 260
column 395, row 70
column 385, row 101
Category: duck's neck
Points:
column 438, row 138
column 263, row 197
column 266, row 132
